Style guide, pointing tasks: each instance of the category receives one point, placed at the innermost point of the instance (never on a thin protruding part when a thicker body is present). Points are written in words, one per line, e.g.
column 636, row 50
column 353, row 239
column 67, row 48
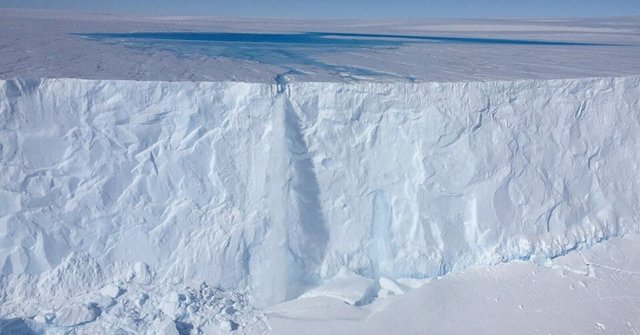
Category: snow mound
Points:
column 275, row 189
column 346, row 286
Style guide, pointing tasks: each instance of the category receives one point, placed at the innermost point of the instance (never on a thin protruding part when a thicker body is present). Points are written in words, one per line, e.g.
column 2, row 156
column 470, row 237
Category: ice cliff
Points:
column 276, row 188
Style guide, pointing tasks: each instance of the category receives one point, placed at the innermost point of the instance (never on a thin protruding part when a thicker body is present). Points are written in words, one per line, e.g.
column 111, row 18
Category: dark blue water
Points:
column 320, row 39
column 291, row 50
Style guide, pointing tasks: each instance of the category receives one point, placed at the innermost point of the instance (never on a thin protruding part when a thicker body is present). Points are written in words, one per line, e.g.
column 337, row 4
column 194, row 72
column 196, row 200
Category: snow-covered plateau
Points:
column 379, row 204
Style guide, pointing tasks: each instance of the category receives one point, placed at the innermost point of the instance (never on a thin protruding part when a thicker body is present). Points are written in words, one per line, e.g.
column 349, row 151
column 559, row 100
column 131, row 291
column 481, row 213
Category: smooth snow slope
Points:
column 277, row 188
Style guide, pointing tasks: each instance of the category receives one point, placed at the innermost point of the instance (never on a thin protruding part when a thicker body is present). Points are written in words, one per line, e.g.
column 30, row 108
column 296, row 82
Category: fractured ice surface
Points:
column 277, row 188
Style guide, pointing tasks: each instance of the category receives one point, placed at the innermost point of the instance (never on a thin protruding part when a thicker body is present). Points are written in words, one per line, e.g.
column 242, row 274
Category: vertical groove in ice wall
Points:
column 248, row 185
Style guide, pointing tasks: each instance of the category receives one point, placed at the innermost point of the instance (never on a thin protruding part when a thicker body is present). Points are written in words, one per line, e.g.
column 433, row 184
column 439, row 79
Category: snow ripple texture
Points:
column 275, row 188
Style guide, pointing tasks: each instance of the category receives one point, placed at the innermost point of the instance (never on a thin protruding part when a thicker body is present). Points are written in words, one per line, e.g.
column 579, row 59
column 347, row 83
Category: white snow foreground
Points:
column 591, row 291
column 120, row 199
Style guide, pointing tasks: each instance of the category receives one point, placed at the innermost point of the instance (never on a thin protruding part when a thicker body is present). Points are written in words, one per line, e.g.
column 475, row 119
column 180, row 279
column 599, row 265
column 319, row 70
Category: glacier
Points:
column 194, row 175
column 276, row 188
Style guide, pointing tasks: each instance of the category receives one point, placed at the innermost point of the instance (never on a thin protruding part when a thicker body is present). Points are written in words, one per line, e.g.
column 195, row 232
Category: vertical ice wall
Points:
column 419, row 179
column 248, row 185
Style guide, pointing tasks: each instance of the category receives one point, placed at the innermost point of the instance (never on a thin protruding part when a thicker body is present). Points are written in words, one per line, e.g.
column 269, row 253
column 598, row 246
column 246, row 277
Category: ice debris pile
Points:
column 73, row 296
column 272, row 190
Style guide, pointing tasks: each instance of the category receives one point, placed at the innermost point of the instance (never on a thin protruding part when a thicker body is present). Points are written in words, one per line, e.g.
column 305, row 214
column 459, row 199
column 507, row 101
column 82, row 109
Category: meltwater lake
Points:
column 294, row 49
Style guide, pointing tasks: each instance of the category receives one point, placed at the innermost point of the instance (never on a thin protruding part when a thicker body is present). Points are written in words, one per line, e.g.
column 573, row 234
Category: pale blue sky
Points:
column 348, row 8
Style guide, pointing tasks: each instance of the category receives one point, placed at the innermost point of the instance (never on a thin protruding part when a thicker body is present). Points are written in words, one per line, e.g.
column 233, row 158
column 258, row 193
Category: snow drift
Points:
column 277, row 188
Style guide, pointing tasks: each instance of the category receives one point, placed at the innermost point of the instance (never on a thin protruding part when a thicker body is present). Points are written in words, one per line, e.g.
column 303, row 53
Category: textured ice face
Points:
column 279, row 188
column 436, row 177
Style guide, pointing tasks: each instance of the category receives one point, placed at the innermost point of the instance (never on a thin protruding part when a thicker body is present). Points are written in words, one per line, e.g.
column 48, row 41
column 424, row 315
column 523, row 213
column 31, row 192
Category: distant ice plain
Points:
column 44, row 44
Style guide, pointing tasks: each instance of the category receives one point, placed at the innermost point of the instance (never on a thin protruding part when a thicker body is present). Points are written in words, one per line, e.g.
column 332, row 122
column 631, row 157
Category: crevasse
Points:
column 276, row 189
